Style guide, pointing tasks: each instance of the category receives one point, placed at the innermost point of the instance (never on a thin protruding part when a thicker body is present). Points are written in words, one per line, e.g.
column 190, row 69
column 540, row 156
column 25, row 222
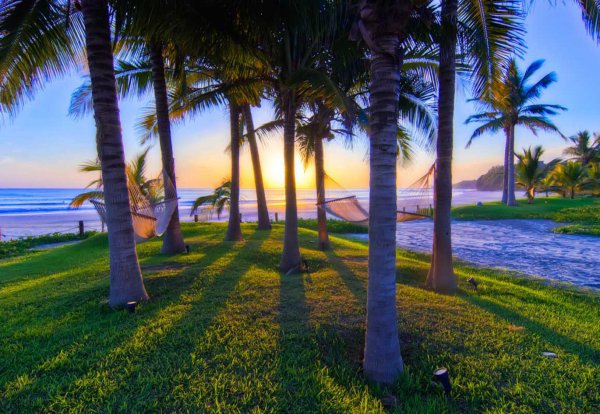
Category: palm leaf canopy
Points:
column 511, row 103
column 40, row 40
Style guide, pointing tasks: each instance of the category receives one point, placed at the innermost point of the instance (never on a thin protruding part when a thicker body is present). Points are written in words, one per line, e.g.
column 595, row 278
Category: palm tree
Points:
column 261, row 200
column 45, row 40
column 126, row 283
column 173, row 239
column 234, row 229
column 151, row 188
column 531, row 171
column 510, row 105
column 585, row 149
column 218, row 201
column 570, row 176
column 383, row 25
column 492, row 32
column 593, row 179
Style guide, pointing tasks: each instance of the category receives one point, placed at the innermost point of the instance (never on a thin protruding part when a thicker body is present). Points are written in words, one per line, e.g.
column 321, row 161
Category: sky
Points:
column 42, row 146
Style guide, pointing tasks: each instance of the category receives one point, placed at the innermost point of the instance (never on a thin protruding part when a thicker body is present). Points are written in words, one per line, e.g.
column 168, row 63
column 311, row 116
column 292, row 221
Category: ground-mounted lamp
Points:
column 130, row 306
column 306, row 268
column 473, row 282
column 187, row 248
column 441, row 375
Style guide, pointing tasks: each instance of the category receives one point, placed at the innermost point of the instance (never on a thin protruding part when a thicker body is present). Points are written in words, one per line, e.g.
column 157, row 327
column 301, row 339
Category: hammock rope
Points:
column 349, row 209
column 149, row 219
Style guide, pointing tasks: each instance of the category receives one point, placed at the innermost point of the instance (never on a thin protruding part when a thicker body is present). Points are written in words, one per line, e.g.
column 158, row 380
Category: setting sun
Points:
column 275, row 173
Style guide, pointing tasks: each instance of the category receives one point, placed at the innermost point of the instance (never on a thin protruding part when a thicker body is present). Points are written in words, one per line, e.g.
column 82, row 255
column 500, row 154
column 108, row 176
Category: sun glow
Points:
column 274, row 173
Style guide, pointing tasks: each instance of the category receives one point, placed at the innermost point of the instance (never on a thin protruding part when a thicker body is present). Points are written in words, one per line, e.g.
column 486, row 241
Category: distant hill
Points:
column 490, row 181
column 466, row 185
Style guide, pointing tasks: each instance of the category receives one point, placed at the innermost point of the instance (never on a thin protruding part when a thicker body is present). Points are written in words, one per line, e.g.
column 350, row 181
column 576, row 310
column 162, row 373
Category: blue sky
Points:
column 43, row 146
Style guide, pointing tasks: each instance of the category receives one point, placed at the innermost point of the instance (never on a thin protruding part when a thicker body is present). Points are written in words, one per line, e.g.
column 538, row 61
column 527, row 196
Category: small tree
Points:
column 531, row 171
column 570, row 177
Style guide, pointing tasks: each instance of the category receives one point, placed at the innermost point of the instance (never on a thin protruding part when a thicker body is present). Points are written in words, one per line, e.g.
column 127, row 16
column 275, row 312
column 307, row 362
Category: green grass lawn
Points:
column 584, row 213
column 224, row 332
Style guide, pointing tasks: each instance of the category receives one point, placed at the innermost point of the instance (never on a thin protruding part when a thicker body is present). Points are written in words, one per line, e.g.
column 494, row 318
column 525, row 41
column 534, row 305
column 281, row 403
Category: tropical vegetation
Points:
column 315, row 61
column 216, row 202
column 151, row 188
column 513, row 103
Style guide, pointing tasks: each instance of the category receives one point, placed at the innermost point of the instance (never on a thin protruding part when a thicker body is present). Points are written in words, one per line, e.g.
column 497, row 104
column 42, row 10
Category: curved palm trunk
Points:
column 172, row 239
column 441, row 276
column 290, row 257
column 234, row 229
column 511, row 199
column 261, row 200
column 126, row 283
column 382, row 360
column 320, row 185
column 505, row 173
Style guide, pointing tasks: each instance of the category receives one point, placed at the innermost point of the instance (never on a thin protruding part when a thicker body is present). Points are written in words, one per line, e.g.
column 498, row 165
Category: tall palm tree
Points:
column 172, row 239
column 490, row 32
column 126, row 282
column 510, row 105
column 530, row 171
column 570, row 176
column 384, row 27
column 45, row 39
column 145, row 72
column 234, row 229
column 261, row 200
column 585, row 149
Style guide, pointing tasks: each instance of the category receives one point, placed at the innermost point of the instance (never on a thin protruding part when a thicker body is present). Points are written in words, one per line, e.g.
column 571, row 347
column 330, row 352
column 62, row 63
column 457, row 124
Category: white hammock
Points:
column 350, row 210
column 149, row 219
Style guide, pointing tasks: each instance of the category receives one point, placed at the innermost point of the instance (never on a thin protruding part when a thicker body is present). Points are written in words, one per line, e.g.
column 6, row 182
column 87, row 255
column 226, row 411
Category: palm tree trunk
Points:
column 441, row 276
column 505, row 173
column 126, row 283
column 382, row 361
column 234, row 229
column 290, row 257
column 511, row 199
column 261, row 200
column 320, row 185
column 172, row 239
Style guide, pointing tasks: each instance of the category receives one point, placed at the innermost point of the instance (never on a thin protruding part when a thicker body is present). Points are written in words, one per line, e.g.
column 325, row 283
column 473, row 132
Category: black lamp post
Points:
column 131, row 307
column 442, row 376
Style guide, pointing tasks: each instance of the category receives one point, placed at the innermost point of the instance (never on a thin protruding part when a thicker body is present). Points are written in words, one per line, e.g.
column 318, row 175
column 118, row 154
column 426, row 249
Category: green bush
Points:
column 19, row 247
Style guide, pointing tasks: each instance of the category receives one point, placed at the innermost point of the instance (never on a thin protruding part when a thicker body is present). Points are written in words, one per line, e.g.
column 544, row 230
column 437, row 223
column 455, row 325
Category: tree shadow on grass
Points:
column 90, row 334
column 157, row 352
column 355, row 284
column 299, row 385
column 583, row 351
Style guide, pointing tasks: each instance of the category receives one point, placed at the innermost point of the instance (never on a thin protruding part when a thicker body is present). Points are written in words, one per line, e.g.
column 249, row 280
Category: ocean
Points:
column 30, row 212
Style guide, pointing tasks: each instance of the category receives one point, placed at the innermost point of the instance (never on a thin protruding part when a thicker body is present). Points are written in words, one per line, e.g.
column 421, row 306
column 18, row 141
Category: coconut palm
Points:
column 137, row 77
column 585, row 148
column 510, row 104
column 530, row 171
column 416, row 124
column 570, row 176
column 126, row 278
column 218, row 201
column 384, row 27
column 43, row 40
column 152, row 188
column 490, row 34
